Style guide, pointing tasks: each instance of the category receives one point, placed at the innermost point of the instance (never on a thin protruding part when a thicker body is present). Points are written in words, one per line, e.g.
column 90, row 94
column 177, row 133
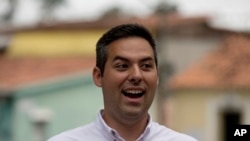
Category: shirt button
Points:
column 113, row 133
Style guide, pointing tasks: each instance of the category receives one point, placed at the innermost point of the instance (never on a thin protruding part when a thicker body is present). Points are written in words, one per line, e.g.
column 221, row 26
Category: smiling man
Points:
column 126, row 70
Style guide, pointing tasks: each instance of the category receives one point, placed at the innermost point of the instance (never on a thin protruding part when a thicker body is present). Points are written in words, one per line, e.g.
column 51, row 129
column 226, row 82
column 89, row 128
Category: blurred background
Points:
column 47, row 52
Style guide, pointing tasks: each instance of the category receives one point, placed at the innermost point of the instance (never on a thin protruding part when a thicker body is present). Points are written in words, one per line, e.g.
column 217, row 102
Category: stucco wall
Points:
column 53, row 43
column 198, row 112
column 63, row 104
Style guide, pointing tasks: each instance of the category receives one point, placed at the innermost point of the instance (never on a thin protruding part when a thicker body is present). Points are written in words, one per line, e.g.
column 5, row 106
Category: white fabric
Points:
column 100, row 131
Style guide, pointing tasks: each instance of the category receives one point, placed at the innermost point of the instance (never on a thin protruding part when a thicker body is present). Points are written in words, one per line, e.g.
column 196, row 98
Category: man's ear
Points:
column 158, row 79
column 97, row 77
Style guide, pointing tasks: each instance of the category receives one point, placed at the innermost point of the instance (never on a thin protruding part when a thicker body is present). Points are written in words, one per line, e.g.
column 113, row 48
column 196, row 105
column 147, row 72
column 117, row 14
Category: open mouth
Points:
column 136, row 93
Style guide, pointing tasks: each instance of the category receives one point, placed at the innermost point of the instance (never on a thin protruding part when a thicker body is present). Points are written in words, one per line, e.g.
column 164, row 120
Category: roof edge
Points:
column 54, row 84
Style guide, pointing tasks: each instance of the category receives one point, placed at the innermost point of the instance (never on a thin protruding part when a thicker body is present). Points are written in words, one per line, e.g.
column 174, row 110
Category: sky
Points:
column 28, row 11
column 232, row 14
column 228, row 14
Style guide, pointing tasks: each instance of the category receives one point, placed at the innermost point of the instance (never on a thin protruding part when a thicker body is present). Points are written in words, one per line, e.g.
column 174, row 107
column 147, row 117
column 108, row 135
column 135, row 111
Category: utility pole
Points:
column 165, row 68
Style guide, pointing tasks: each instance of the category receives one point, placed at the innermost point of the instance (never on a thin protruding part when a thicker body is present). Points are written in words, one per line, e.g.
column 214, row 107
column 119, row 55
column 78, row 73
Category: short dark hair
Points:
column 118, row 32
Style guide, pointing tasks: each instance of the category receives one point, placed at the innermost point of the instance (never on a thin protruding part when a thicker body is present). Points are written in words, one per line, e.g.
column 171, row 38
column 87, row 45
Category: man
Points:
column 126, row 70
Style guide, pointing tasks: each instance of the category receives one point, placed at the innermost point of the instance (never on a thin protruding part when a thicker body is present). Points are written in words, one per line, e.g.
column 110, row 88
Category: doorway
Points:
column 229, row 118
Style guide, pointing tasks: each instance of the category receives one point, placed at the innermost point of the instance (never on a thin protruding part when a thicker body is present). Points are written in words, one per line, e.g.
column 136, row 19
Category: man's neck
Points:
column 130, row 130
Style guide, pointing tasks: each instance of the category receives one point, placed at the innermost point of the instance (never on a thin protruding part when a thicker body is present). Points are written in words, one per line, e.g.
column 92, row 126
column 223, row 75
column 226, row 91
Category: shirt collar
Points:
column 111, row 133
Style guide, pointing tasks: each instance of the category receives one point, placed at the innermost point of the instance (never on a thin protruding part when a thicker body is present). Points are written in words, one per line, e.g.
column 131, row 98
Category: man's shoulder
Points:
column 75, row 134
column 166, row 134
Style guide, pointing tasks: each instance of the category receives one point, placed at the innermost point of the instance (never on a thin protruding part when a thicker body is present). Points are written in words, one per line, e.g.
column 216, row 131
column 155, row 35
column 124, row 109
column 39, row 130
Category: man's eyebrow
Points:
column 147, row 59
column 127, row 60
column 120, row 58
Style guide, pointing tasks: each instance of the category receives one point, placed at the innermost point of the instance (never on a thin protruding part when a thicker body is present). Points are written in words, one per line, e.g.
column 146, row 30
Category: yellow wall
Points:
column 191, row 110
column 54, row 43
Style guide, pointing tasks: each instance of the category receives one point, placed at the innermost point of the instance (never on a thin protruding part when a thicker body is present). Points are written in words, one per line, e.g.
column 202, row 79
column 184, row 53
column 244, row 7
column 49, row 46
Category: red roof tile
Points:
column 18, row 71
column 226, row 67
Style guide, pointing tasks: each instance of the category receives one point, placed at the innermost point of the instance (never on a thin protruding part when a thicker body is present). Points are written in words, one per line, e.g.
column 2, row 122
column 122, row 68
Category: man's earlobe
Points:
column 97, row 77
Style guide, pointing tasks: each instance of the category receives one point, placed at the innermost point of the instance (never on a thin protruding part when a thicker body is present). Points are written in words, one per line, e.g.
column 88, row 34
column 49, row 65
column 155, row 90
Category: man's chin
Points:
column 133, row 112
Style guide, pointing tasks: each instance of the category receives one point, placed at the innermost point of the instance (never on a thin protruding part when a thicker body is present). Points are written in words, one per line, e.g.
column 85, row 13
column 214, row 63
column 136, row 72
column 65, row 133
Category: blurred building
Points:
column 46, row 85
column 45, row 78
column 45, row 81
column 39, row 94
column 213, row 93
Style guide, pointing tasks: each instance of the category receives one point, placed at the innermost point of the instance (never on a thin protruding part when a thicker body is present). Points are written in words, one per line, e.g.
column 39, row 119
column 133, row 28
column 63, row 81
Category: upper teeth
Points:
column 134, row 91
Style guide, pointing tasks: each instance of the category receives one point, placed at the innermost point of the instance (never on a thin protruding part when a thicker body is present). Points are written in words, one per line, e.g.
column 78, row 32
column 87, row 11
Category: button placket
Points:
column 114, row 135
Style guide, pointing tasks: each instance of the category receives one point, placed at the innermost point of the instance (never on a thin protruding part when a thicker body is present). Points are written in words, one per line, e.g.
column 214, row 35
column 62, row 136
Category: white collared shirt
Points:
column 100, row 131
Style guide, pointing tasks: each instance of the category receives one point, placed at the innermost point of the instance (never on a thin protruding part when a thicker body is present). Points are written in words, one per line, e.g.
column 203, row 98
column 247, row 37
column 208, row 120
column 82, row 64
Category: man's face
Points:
column 130, row 78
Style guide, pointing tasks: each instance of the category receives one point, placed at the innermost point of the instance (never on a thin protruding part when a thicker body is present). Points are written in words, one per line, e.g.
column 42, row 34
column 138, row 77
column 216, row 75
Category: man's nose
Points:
column 135, row 74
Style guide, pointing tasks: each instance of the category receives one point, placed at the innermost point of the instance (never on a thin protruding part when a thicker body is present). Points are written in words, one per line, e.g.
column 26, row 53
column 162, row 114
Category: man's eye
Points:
column 121, row 66
column 146, row 66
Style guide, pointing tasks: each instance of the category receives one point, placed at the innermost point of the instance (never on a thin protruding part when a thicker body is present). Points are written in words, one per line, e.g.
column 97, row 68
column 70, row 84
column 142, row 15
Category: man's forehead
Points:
column 130, row 48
